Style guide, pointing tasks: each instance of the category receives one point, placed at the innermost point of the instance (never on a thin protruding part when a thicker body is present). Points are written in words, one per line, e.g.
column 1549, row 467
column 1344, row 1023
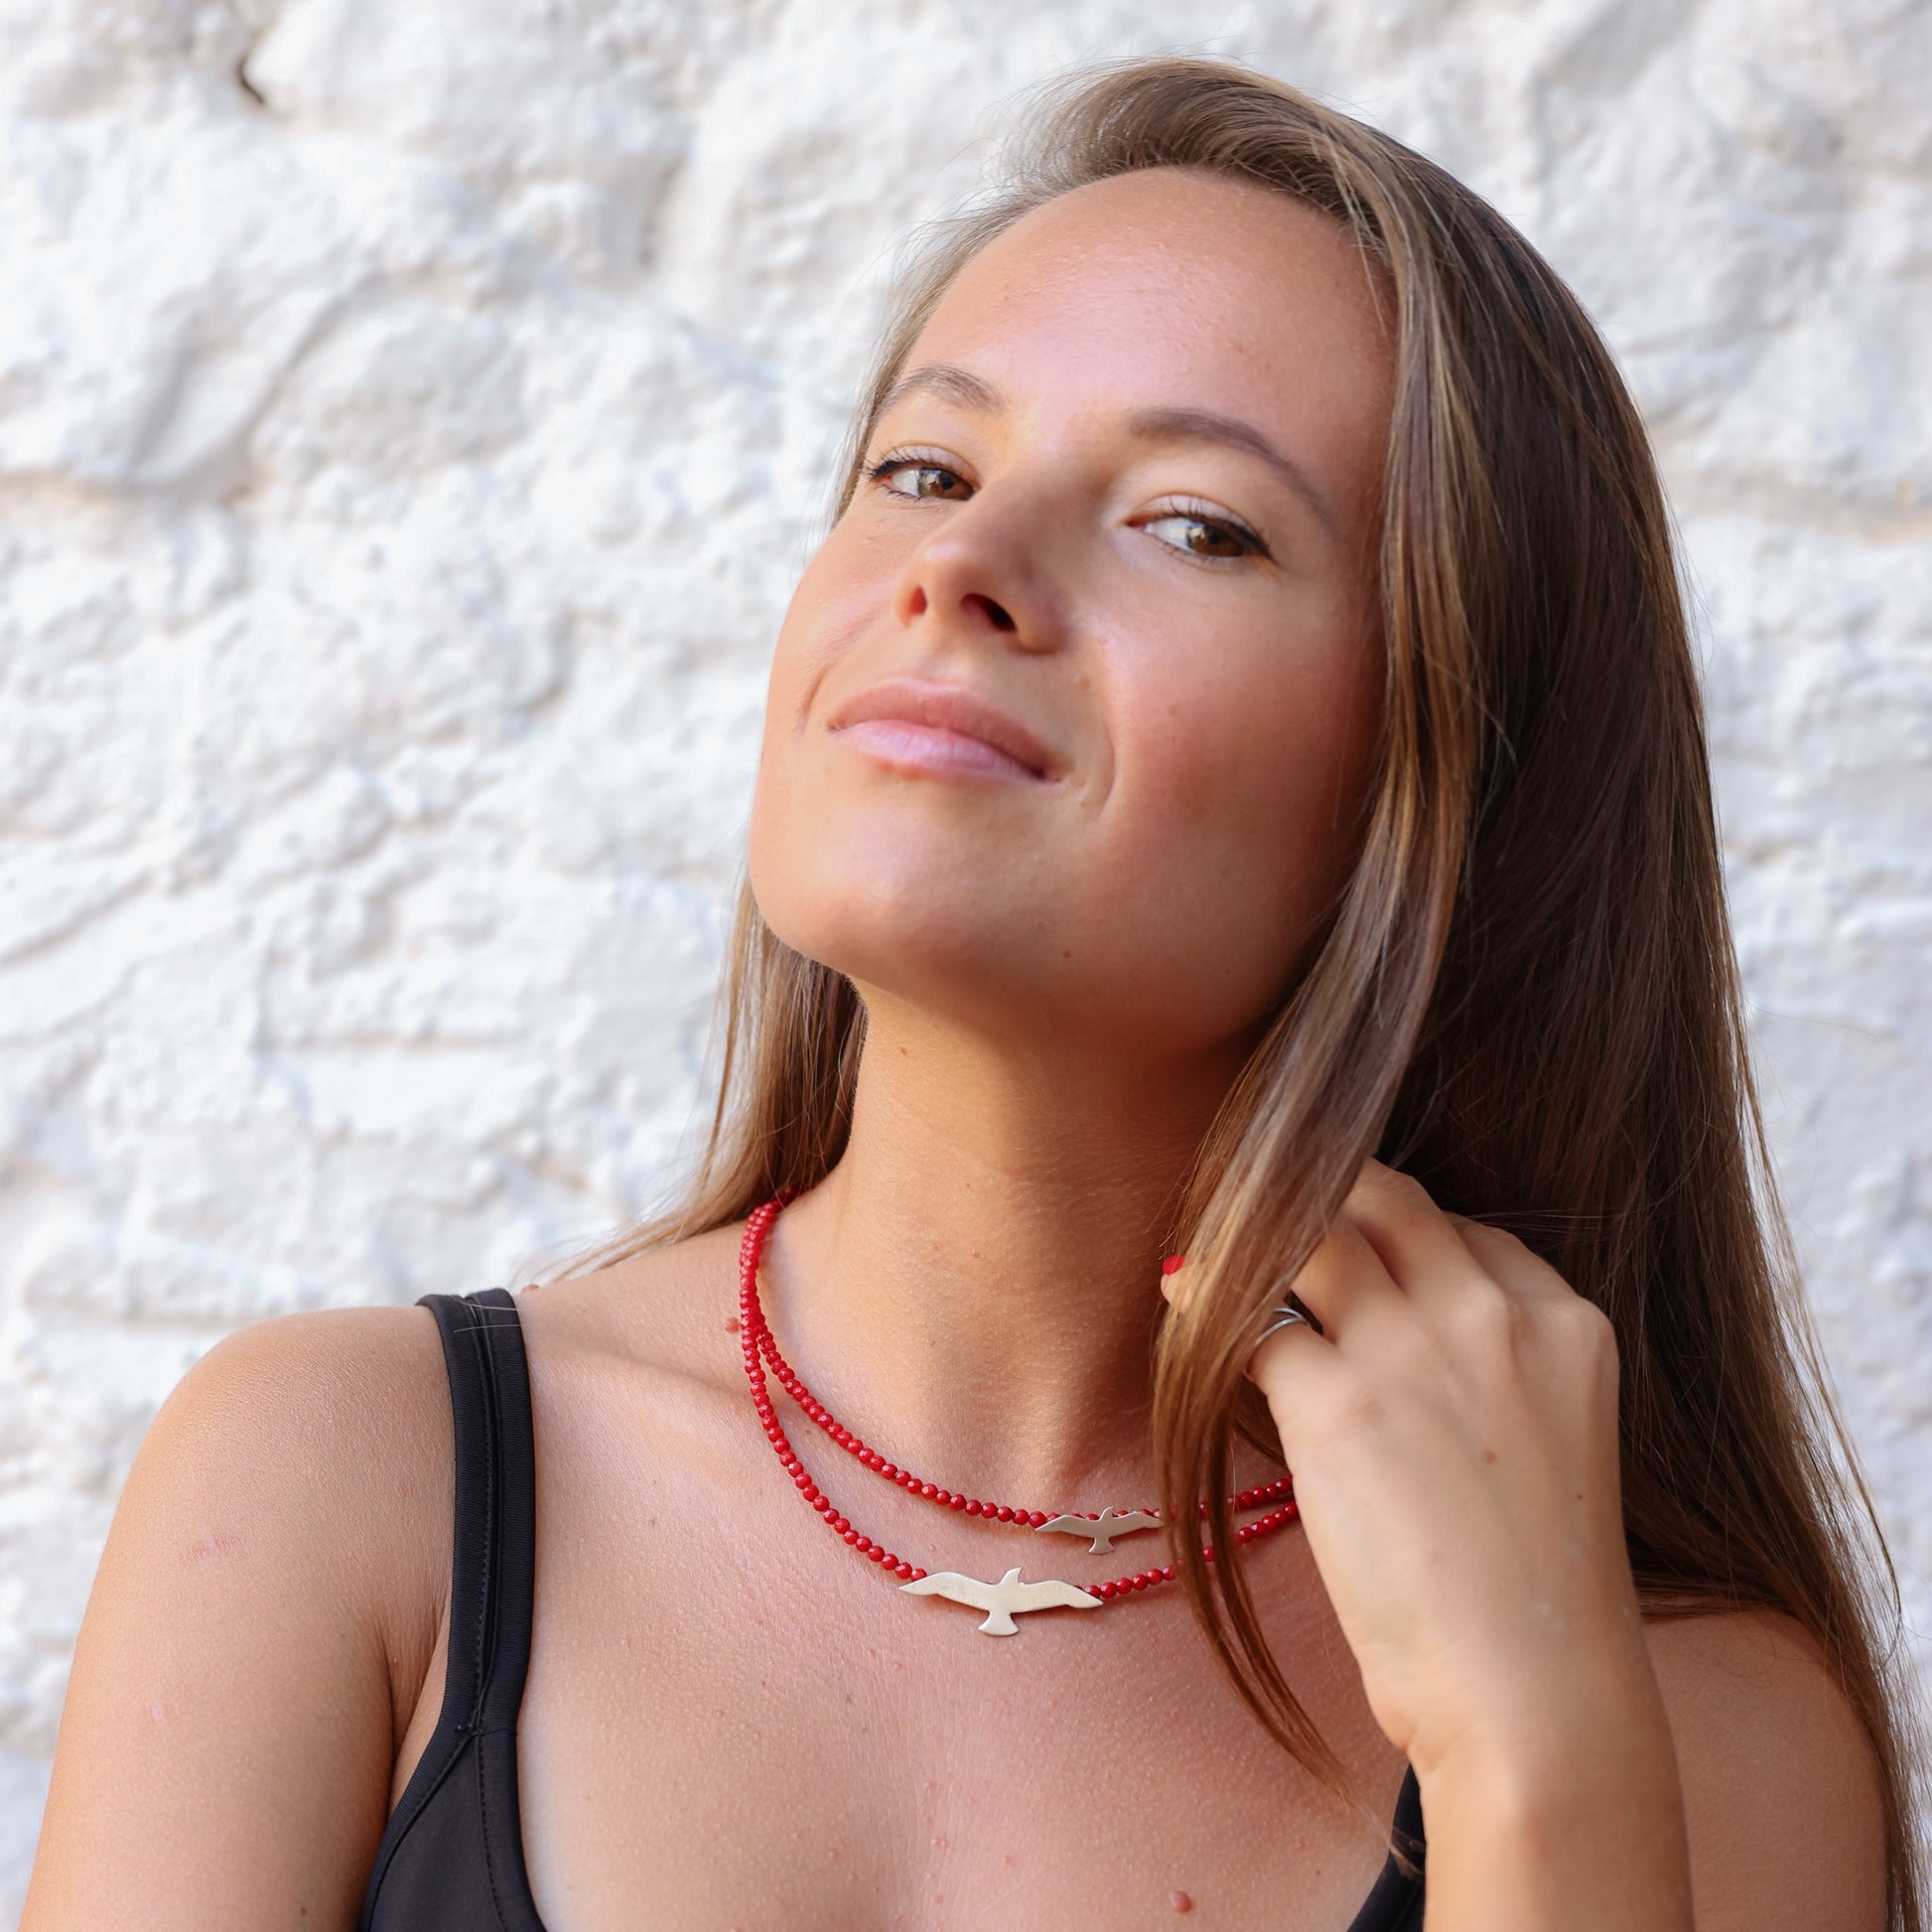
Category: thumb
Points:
column 1171, row 1268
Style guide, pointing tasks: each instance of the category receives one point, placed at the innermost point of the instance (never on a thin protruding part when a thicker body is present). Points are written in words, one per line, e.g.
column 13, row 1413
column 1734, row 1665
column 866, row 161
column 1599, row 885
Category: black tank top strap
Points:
column 452, row 1857
column 453, row 1853
column 1395, row 1902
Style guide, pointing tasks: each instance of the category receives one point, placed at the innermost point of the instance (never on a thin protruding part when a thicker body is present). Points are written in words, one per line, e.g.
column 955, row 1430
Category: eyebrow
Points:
column 1174, row 425
column 1166, row 424
column 950, row 383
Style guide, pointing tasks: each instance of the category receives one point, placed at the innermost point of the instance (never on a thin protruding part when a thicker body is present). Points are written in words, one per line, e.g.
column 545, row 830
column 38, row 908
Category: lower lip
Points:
column 932, row 751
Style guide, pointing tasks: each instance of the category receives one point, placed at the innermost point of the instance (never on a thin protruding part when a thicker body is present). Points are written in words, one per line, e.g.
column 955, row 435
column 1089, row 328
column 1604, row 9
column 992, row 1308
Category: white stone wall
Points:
column 412, row 417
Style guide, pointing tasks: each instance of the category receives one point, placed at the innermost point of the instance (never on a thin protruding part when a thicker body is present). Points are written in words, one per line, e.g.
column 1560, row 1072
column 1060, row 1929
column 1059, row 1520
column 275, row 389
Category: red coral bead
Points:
column 759, row 1350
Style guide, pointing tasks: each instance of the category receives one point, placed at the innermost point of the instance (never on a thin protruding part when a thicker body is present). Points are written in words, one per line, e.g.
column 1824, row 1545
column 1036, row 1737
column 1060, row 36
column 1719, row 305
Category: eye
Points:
column 921, row 475
column 1198, row 531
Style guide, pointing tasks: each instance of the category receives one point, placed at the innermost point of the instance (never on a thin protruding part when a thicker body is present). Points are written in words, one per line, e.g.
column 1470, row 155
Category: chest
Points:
column 732, row 1716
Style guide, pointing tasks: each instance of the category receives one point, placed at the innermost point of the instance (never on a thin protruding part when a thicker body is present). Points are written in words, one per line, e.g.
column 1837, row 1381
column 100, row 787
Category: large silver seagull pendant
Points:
column 1110, row 1523
column 1002, row 1599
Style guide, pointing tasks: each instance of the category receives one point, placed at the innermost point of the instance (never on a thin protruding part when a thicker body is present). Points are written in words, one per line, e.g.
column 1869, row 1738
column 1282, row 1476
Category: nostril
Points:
column 998, row 619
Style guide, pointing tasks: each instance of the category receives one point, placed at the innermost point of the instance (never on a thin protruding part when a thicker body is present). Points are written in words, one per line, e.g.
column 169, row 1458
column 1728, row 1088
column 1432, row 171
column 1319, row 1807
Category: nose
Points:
column 980, row 576
column 917, row 604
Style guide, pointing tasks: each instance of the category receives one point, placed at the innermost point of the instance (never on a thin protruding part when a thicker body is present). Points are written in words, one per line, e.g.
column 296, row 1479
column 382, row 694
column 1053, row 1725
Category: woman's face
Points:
column 1073, row 714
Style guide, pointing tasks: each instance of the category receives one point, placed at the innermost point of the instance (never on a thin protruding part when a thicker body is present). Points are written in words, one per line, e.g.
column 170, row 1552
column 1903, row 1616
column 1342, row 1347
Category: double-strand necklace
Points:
column 1010, row 1595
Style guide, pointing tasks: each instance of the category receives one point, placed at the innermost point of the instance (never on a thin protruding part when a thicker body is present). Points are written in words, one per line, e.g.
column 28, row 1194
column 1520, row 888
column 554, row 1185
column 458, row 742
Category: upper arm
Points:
column 1781, row 1788
column 275, row 1570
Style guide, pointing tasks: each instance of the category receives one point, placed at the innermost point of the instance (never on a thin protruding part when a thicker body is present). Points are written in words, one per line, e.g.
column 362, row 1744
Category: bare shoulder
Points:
column 664, row 1312
column 328, row 1432
column 301, row 1368
column 259, row 1625
column 1781, row 1786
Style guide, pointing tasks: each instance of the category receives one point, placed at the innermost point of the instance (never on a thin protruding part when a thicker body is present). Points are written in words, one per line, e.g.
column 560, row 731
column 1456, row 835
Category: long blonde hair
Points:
column 1527, row 997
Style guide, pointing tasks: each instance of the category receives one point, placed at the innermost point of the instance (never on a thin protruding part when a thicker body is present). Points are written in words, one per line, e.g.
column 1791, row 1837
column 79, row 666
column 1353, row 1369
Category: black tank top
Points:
column 452, row 1859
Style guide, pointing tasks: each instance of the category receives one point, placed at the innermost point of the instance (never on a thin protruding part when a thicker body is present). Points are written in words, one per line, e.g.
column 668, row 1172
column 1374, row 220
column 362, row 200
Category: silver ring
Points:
column 1283, row 1318
column 1287, row 1313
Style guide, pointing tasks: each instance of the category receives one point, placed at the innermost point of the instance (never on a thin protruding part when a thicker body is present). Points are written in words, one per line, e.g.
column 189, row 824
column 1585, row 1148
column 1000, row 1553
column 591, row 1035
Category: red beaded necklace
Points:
column 1002, row 1599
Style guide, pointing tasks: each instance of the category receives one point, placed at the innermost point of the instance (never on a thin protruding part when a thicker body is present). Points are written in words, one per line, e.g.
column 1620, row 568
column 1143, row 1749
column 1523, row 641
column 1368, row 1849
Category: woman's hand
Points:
column 1452, row 1433
column 1453, row 1429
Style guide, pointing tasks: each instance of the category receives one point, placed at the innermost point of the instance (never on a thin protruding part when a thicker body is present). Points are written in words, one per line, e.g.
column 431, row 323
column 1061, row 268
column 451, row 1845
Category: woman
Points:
column 1233, row 791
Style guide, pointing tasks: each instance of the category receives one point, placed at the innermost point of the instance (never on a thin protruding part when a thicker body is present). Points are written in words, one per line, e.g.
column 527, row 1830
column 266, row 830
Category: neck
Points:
column 976, row 1286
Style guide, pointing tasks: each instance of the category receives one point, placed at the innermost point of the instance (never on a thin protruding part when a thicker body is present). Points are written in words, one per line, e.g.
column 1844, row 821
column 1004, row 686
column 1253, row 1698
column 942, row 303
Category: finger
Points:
column 1508, row 1261
column 1274, row 1365
column 1418, row 1243
column 1171, row 1268
column 1291, row 1316
column 1343, row 1276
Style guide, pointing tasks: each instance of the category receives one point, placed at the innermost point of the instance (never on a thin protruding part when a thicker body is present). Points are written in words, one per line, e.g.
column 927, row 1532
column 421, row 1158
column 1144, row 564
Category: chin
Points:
column 1002, row 973
column 915, row 931
column 982, row 928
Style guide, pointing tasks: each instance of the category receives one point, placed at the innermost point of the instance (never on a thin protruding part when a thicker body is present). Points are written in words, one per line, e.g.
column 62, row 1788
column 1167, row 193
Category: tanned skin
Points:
column 731, row 1721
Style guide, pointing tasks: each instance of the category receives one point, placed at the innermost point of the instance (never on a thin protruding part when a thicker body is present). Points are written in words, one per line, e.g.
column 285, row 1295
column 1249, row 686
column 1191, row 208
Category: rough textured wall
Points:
column 411, row 419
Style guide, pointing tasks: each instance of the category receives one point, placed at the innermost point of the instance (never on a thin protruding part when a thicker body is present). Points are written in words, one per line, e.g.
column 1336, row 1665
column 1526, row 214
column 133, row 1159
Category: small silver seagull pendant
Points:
column 1110, row 1523
column 1002, row 1599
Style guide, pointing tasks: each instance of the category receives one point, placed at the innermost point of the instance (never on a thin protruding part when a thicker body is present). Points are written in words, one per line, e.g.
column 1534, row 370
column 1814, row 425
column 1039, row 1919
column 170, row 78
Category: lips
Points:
column 944, row 729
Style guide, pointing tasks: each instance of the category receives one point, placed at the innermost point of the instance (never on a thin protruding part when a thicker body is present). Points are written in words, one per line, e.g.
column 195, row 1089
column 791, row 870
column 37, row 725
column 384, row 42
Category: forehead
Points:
column 1173, row 275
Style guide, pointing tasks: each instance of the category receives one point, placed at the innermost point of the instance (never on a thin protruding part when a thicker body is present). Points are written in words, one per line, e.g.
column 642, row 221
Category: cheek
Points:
column 794, row 862
column 1252, row 785
column 776, row 813
column 827, row 608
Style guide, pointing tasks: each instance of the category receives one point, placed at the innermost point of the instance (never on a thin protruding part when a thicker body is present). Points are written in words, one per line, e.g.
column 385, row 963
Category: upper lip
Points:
column 950, row 707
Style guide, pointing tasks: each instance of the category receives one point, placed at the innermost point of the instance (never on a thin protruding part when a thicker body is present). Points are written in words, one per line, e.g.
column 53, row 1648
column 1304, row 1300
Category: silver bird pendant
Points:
column 1004, row 1599
column 1110, row 1523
